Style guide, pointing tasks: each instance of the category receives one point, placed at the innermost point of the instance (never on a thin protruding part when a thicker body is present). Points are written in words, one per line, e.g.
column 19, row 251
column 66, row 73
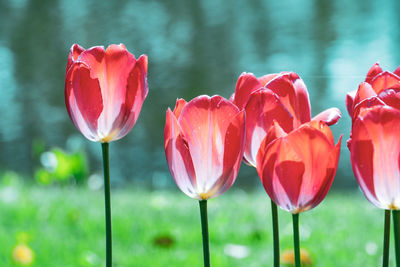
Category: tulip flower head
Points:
column 279, row 97
column 297, row 169
column 295, row 156
column 375, row 144
column 204, row 143
column 105, row 90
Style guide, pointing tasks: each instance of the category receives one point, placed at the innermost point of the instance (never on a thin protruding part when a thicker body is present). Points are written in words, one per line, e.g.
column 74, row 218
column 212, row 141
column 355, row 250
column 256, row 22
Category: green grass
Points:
column 65, row 227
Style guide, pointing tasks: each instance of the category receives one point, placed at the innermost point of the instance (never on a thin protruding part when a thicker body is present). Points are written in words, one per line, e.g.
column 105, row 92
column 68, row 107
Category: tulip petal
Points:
column 322, row 127
column 391, row 97
column 262, row 109
column 364, row 91
column 375, row 153
column 350, row 102
column 233, row 153
column 204, row 122
column 329, row 116
column 74, row 53
column 385, row 80
column 362, row 155
column 246, row 84
column 315, row 149
column 263, row 80
column 275, row 132
column 180, row 103
column 94, row 57
column 83, row 99
column 178, row 157
column 329, row 177
column 366, row 104
column 135, row 94
column 293, row 94
column 375, row 70
column 294, row 170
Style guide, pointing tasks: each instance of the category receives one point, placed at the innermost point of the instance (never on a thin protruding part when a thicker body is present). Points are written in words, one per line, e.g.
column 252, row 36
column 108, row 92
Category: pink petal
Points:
column 364, row 91
column 263, row 80
column 135, row 93
column 293, row 94
column 94, row 58
column 290, row 174
column 366, row 104
column 74, row 53
column 385, row 80
column 275, row 132
column 375, row 152
column 83, row 99
column 180, row 104
column 246, row 84
column 391, row 97
column 262, row 109
column 233, row 153
column 178, row 157
column 323, row 128
column 350, row 102
column 329, row 176
column 329, row 116
column 375, row 70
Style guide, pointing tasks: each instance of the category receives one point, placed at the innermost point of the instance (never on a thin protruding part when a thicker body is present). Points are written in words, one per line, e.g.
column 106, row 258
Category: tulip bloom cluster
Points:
column 267, row 122
column 295, row 156
column 206, row 138
column 375, row 145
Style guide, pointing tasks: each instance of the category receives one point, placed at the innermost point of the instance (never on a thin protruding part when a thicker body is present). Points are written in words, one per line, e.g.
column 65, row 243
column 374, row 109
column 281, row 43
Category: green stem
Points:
column 204, row 230
column 296, row 239
column 106, row 166
column 396, row 226
column 275, row 227
column 386, row 238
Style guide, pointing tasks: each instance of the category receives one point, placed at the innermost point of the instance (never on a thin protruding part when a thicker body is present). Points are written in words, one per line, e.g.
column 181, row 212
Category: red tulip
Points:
column 204, row 142
column 296, row 157
column 375, row 143
column 105, row 90
column 279, row 97
column 297, row 169
column 374, row 90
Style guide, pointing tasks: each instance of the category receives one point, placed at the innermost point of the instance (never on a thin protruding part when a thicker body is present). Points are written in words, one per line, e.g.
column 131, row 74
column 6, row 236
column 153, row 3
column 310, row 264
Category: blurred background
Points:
column 194, row 47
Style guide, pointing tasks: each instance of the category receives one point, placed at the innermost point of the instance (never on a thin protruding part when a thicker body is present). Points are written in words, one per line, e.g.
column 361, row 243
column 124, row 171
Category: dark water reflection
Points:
column 194, row 47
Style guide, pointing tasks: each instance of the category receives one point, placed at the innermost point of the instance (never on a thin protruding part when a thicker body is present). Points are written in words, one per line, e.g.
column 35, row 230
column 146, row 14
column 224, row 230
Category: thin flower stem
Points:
column 296, row 239
column 275, row 227
column 386, row 238
column 396, row 226
column 204, row 230
column 106, row 166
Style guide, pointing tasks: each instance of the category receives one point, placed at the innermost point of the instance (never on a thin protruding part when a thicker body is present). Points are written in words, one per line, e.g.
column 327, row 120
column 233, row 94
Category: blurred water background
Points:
column 194, row 47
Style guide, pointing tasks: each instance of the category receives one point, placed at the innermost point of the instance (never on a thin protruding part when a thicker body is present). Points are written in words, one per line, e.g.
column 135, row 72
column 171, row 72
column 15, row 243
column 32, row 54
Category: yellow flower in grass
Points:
column 287, row 257
column 23, row 254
